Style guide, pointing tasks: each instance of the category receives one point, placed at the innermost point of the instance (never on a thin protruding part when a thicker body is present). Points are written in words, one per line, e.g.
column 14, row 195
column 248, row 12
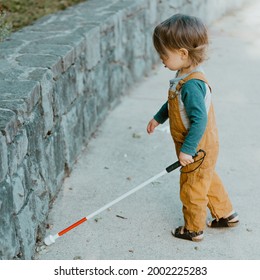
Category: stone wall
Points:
column 58, row 80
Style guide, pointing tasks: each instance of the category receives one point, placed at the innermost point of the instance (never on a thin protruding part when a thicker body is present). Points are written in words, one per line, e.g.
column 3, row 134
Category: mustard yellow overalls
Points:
column 201, row 188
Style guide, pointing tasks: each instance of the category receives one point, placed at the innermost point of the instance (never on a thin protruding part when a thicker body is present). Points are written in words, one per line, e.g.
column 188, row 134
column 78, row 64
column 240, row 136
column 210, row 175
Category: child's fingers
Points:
column 186, row 162
column 150, row 128
column 152, row 125
column 185, row 159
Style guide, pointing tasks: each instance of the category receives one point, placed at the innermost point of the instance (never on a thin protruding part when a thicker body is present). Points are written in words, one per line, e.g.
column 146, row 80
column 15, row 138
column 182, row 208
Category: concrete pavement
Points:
column 122, row 155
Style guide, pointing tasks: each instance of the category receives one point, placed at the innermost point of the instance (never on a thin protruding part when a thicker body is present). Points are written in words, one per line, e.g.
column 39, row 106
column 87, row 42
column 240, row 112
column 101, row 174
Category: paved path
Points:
column 121, row 155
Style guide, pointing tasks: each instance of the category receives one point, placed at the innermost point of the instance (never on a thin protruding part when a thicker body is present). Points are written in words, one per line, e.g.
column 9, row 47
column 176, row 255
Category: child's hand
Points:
column 151, row 126
column 185, row 159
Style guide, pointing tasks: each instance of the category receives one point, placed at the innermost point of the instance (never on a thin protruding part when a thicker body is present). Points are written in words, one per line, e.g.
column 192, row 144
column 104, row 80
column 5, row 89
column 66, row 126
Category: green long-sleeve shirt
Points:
column 193, row 97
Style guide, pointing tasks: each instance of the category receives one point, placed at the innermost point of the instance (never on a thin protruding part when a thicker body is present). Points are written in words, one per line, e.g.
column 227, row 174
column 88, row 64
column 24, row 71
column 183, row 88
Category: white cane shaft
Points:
column 137, row 188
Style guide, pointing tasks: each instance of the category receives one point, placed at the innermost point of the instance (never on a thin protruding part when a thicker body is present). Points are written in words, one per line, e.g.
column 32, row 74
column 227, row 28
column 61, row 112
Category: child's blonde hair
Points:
column 182, row 31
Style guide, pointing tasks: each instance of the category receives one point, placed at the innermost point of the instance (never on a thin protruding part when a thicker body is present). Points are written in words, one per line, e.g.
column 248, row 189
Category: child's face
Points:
column 175, row 59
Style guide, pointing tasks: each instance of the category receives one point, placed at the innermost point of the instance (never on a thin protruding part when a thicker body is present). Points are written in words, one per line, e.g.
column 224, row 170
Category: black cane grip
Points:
column 177, row 164
column 173, row 166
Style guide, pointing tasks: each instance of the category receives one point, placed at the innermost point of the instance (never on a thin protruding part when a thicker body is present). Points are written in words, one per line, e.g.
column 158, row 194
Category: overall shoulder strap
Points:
column 194, row 75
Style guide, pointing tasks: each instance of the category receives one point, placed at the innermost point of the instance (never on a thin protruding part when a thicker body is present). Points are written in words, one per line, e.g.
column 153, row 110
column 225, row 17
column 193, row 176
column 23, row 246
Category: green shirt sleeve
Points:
column 193, row 94
column 162, row 115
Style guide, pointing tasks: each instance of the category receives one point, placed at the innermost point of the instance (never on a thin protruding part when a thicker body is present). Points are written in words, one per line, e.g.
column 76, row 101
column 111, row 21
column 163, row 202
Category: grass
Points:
column 20, row 13
column 5, row 27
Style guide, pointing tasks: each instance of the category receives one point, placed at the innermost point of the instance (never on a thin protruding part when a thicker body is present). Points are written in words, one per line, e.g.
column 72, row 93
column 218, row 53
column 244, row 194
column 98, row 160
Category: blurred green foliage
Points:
column 5, row 26
column 20, row 13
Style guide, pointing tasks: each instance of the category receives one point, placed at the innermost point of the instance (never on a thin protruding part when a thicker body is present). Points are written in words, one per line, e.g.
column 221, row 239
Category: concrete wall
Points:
column 58, row 80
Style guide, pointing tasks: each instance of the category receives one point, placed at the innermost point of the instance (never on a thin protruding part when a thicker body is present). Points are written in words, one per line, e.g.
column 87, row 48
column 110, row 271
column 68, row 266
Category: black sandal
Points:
column 183, row 233
column 224, row 222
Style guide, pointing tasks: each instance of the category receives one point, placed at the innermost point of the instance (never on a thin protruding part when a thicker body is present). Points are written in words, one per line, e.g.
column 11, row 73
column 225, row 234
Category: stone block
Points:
column 35, row 151
column 51, row 62
column 55, row 162
column 10, row 70
column 26, row 35
column 9, row 241
column 19, row 190
column 89, row 116
column 151, row 13
column 31, row 203
column 25, row 224
column 28, row 91
column 47, row 87
column 72, row 125
column 3, row 158
column 8, row 124
column 116, row 80
column 101, row 89
column 17, row 151
column 19, row 107
column 12, row 44
column 73, row 39
column 80, row 76
column 66, row 52
column 64, row 92
column 38, row 192
column 93, row 55
column 8, row 48
column 55, row 25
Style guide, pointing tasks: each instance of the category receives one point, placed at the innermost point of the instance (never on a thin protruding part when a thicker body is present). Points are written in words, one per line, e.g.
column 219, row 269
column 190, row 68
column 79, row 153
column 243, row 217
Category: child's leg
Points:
column 220, row 206
column 193, row 193
column 219, row 203
column 202, row 189
column 194, row 188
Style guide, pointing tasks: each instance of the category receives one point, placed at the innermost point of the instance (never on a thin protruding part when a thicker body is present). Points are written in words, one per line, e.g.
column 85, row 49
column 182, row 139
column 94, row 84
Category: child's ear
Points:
column 184, row 53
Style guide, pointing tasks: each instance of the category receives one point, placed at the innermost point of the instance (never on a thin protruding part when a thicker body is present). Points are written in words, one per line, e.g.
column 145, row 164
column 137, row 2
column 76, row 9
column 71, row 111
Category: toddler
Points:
column 181, row 42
